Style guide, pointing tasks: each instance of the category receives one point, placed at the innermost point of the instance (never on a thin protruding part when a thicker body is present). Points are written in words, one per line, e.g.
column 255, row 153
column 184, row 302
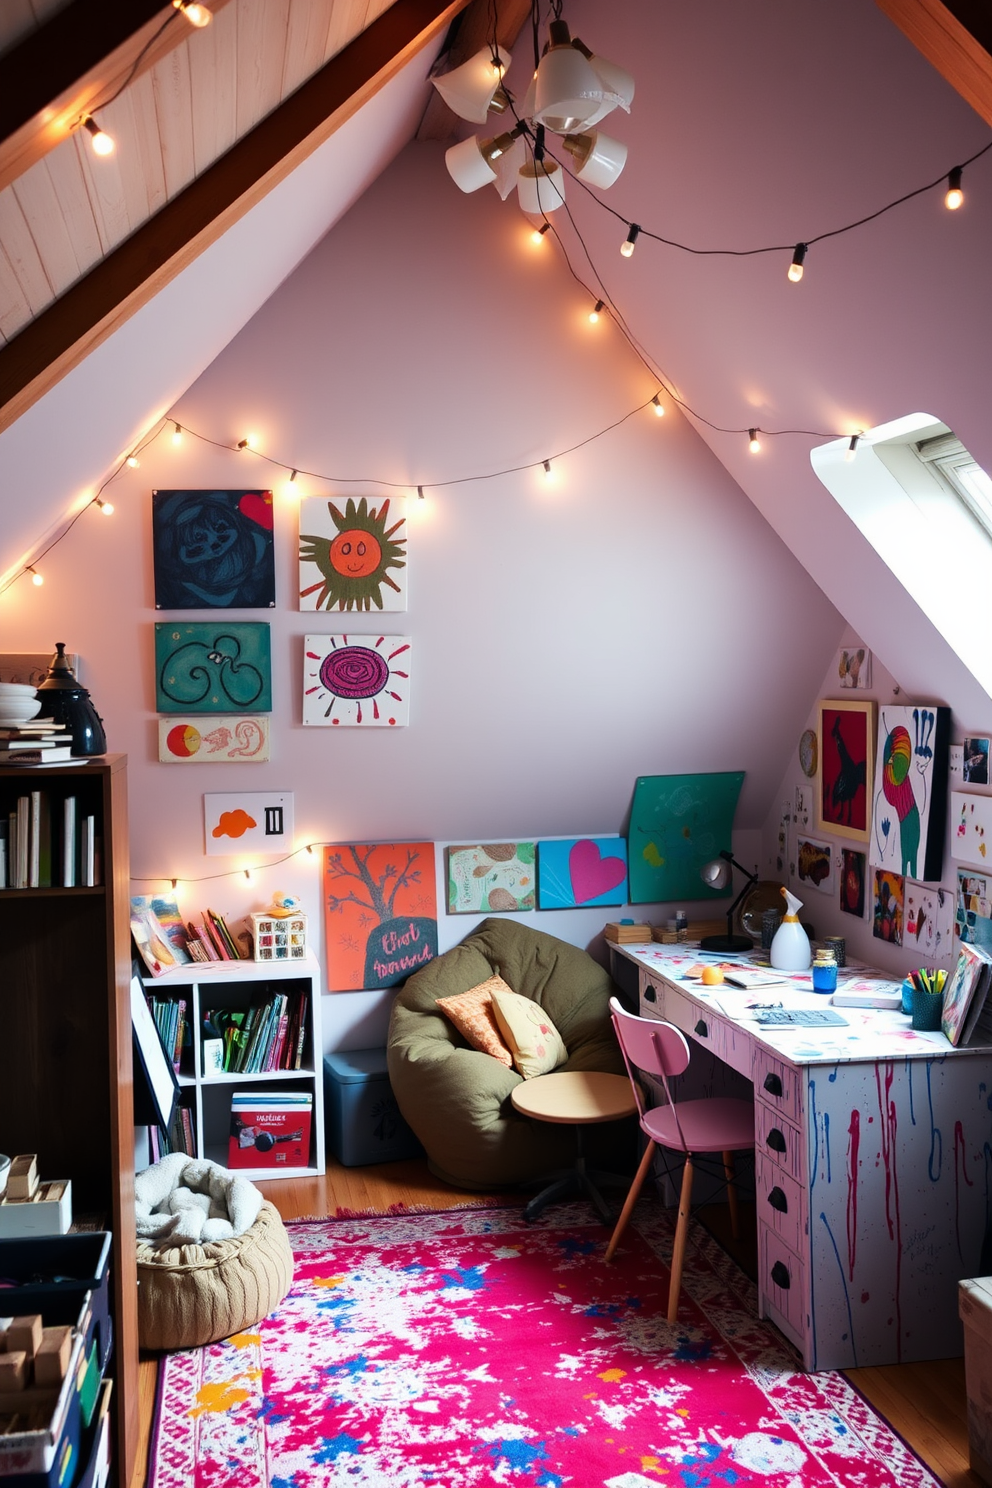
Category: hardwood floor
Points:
column 925, row 1403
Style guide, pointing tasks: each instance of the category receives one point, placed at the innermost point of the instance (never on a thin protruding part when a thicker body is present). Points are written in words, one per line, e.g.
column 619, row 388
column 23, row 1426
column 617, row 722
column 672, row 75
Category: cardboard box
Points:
column 54, row 1273
column 48, row 1213
column 47, row 1454
column 270, row 1129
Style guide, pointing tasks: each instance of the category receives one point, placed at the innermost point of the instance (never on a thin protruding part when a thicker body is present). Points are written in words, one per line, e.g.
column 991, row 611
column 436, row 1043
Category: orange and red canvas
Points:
column 380, row 913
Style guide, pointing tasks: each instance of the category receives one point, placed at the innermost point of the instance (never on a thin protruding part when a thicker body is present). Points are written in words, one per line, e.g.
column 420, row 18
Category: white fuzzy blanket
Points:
column 181, row 1201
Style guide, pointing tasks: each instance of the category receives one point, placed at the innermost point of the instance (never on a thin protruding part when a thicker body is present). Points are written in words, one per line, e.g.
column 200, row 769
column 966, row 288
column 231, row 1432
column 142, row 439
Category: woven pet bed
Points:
column 189, row 1295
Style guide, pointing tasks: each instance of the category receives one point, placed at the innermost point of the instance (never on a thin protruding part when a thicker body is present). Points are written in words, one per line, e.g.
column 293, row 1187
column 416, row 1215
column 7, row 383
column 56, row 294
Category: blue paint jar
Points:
column 825, row 972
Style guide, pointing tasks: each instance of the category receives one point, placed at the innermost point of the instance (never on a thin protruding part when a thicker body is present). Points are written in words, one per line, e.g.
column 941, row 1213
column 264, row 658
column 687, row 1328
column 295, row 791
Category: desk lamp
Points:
column 719, row 874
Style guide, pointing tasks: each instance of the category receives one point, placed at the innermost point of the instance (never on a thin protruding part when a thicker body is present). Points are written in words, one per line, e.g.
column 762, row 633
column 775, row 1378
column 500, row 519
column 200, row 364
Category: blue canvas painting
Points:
column 213, row 667
column 213, row 550
column 580, row 872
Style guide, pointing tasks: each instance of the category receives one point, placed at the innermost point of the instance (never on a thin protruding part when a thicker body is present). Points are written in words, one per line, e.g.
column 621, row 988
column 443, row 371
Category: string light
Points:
column 852, row 448
column 627, row 246
column 177, row 434
column 247, row 872
column 753, row 442
column 594, row 313
column 175, row 883
column 132, row 462
column 420, row 493
column 197, row 15
column 796, row 266
column 107, row 507
column 248, row 443
column 291, row 489
column 99, row 139
column 546, row 465
column 36, row 578
column 955, row 196
column 658, row 406
column 537, row 236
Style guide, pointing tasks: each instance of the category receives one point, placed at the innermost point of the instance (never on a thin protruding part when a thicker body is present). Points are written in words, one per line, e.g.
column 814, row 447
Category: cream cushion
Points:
column 534, row 1041
column 190, row 1295
column 472, row 1014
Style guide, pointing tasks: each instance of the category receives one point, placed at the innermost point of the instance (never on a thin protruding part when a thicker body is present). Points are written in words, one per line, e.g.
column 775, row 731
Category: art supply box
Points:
column 364, row 1124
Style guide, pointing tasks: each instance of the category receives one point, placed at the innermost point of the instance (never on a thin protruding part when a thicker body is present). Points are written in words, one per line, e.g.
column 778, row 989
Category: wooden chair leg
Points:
column 631, row 1199
column 728, row 1169
column 681, row 1236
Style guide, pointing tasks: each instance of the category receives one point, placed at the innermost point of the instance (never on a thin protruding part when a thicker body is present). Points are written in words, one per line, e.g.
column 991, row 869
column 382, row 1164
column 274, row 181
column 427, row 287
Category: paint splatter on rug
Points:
column 468, row 1348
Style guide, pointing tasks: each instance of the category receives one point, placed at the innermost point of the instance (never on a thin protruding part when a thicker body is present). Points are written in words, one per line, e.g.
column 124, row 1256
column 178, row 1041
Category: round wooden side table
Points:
column 575, row 1098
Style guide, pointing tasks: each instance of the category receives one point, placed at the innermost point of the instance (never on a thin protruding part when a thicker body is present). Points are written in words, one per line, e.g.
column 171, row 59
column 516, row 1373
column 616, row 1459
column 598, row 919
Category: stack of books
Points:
column 47, row 844
column 267, row 1037
column 41, row 742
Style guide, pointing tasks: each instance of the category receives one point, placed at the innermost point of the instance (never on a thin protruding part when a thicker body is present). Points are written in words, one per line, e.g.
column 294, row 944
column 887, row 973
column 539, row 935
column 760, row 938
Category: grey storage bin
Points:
column 364, row 1124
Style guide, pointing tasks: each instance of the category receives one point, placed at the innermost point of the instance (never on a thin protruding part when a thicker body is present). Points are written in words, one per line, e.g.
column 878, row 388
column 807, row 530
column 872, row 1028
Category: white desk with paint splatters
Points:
column 873, row 1160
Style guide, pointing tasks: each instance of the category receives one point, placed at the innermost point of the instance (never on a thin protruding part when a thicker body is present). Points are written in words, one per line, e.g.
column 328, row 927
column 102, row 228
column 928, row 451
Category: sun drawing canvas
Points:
column 356, row 680
column 497, row 876
column 581, row 871
column 353, row 559
column 213, row 667
column 380, row 913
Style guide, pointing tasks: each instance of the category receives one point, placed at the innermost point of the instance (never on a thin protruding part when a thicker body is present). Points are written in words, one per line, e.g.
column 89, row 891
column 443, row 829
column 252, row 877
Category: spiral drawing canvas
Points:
column 356, row 680
column 213, row 667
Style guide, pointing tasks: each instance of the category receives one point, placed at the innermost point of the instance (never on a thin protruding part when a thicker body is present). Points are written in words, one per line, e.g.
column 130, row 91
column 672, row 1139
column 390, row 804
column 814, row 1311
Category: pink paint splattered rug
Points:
column 469, row 1348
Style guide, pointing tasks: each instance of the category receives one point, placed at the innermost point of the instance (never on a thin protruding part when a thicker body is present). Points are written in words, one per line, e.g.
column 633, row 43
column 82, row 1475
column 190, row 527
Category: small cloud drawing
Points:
column 233, row 824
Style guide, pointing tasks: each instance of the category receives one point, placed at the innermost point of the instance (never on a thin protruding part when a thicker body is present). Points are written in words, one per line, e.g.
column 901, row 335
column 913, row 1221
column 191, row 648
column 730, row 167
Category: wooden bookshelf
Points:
column 66, row 1092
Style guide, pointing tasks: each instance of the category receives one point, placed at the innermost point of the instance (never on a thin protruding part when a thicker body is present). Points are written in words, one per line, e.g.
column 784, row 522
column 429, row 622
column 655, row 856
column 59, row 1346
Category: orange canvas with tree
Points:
column 380, row 913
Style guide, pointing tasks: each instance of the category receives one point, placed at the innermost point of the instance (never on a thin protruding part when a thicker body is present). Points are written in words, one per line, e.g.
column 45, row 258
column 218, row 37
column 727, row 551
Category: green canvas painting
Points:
column 678, row 823
column 213, row 667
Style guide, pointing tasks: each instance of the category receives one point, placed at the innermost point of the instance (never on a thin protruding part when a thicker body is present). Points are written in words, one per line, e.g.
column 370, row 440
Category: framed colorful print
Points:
column 581, row 871
column 496, row 877
column 356, row 681
column 845, row 732
column 909, row 803
column 853, row 868
column 248, row 821
column 213, row 550
column 380, row 913
column 815, row 864
column 212, row 667
column 221, row 740
column 353, row 559
column 973, row 915
column 887, row 906
column 975, row 762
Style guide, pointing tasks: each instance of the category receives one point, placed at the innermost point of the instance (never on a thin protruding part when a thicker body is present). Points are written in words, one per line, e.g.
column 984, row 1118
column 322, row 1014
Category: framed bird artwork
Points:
column 845, row 739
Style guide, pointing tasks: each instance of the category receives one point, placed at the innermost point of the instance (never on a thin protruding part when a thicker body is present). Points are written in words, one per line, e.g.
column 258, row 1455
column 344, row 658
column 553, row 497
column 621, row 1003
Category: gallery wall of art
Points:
column 564, row 637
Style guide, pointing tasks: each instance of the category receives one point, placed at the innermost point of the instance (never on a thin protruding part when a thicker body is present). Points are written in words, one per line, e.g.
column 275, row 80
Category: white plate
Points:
column 18, row 710
column 17, row 689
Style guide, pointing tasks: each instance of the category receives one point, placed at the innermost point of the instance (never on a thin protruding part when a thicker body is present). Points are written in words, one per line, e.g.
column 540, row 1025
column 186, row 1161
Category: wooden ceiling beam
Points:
column 472, row 30
column 63, row 70
column 69, row 329
column 956, row 38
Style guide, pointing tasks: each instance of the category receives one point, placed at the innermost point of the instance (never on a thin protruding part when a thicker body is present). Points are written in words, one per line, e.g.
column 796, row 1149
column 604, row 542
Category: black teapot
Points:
column 64, row 700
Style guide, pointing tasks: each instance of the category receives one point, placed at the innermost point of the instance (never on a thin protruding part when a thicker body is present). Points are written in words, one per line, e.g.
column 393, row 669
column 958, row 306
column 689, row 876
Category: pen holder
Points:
column 927, row 1010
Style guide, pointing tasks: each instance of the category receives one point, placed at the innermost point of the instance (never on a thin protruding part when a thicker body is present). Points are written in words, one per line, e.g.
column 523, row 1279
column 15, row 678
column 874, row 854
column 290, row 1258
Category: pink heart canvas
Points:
column 582, row 871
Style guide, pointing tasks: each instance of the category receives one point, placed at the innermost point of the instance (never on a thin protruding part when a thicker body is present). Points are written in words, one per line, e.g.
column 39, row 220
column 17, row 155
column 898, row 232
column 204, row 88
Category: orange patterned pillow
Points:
column 472, row 1014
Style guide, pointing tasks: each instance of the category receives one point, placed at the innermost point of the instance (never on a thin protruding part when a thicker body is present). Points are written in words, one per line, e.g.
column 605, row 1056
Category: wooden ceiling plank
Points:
column 15, row 311
column 262, row 26
column 22, row 254
column 213, row 80
column 474, row 31
column 947, row 43
column 63, row 335
column 346, row 22
column 105, row 187
column 38, row 201
column 174, row 111
column 306, row 34
column 143, row 167
column 69, row 183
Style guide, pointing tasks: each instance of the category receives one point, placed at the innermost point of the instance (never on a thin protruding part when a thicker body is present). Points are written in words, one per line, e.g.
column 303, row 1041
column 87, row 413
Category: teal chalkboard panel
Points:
column 678, row 823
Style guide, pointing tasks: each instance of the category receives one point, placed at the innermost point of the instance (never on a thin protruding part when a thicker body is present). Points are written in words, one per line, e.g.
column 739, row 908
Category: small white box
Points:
column 48, row 1213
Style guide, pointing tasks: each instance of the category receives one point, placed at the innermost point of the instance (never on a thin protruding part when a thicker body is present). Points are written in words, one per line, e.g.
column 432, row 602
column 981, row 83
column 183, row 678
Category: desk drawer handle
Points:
column 773, row 1084
column 701, row 1029
column 650, row 995
column 780, row 1276
column 778, row 1201
column 775, row 1140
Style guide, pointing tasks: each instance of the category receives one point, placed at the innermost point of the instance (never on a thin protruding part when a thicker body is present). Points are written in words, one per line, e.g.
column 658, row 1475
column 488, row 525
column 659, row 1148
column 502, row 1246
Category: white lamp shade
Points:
column 568, row 91
column 598, row 158
column 717, row 874
column 540, row 187
column 508, row 167
column 618, row 86
column 467, row 166
column 468, row 90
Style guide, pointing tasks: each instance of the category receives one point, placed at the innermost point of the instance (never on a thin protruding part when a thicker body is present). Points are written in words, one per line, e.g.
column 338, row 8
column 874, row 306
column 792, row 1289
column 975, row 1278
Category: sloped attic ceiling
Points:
column 767, row 126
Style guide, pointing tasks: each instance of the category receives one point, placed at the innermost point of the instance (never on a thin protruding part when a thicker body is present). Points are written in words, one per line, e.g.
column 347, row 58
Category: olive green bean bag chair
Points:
column 457, row 1100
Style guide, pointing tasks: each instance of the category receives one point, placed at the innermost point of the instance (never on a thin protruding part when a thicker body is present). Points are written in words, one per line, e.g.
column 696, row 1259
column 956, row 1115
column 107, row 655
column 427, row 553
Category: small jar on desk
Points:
column 825, row 971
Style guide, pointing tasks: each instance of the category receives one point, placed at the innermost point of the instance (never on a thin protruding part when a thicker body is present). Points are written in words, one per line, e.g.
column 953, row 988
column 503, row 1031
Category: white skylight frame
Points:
column 960, row 471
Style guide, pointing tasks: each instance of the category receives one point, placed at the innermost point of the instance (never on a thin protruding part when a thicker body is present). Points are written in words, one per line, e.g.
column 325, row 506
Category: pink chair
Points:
column 691, row 1127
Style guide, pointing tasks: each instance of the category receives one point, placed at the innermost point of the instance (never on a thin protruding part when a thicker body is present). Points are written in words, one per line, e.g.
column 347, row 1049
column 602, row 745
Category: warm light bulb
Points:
column 595, row 311
column 546, row 466
column 36, row 578
column 132, row 462
column 658, row 406
column 955, row 196
column 852, row 448
column 420, row 493
column 177, row 435
column 248, row 874
column 107, row 507
column 537, row 236
column 796, row 266
column 101, row 141
column 627, row 246
column 197, row 15
column 290, row 489
column 249, row 442
column 753, row 442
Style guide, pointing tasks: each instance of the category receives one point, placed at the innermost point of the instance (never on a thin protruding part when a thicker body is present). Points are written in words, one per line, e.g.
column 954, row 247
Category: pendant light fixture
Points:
column 569, row 91
column 472, row 89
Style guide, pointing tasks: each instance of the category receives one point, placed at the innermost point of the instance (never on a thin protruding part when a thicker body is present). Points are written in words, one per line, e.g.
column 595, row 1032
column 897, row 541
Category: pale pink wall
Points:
column 640, row 617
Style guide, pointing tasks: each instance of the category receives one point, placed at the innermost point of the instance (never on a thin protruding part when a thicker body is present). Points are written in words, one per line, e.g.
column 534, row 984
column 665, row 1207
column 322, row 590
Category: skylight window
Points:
column 961, row 473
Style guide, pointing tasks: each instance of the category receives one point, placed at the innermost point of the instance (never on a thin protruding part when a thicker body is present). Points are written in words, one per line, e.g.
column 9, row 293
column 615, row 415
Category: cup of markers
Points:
column 924, row 992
